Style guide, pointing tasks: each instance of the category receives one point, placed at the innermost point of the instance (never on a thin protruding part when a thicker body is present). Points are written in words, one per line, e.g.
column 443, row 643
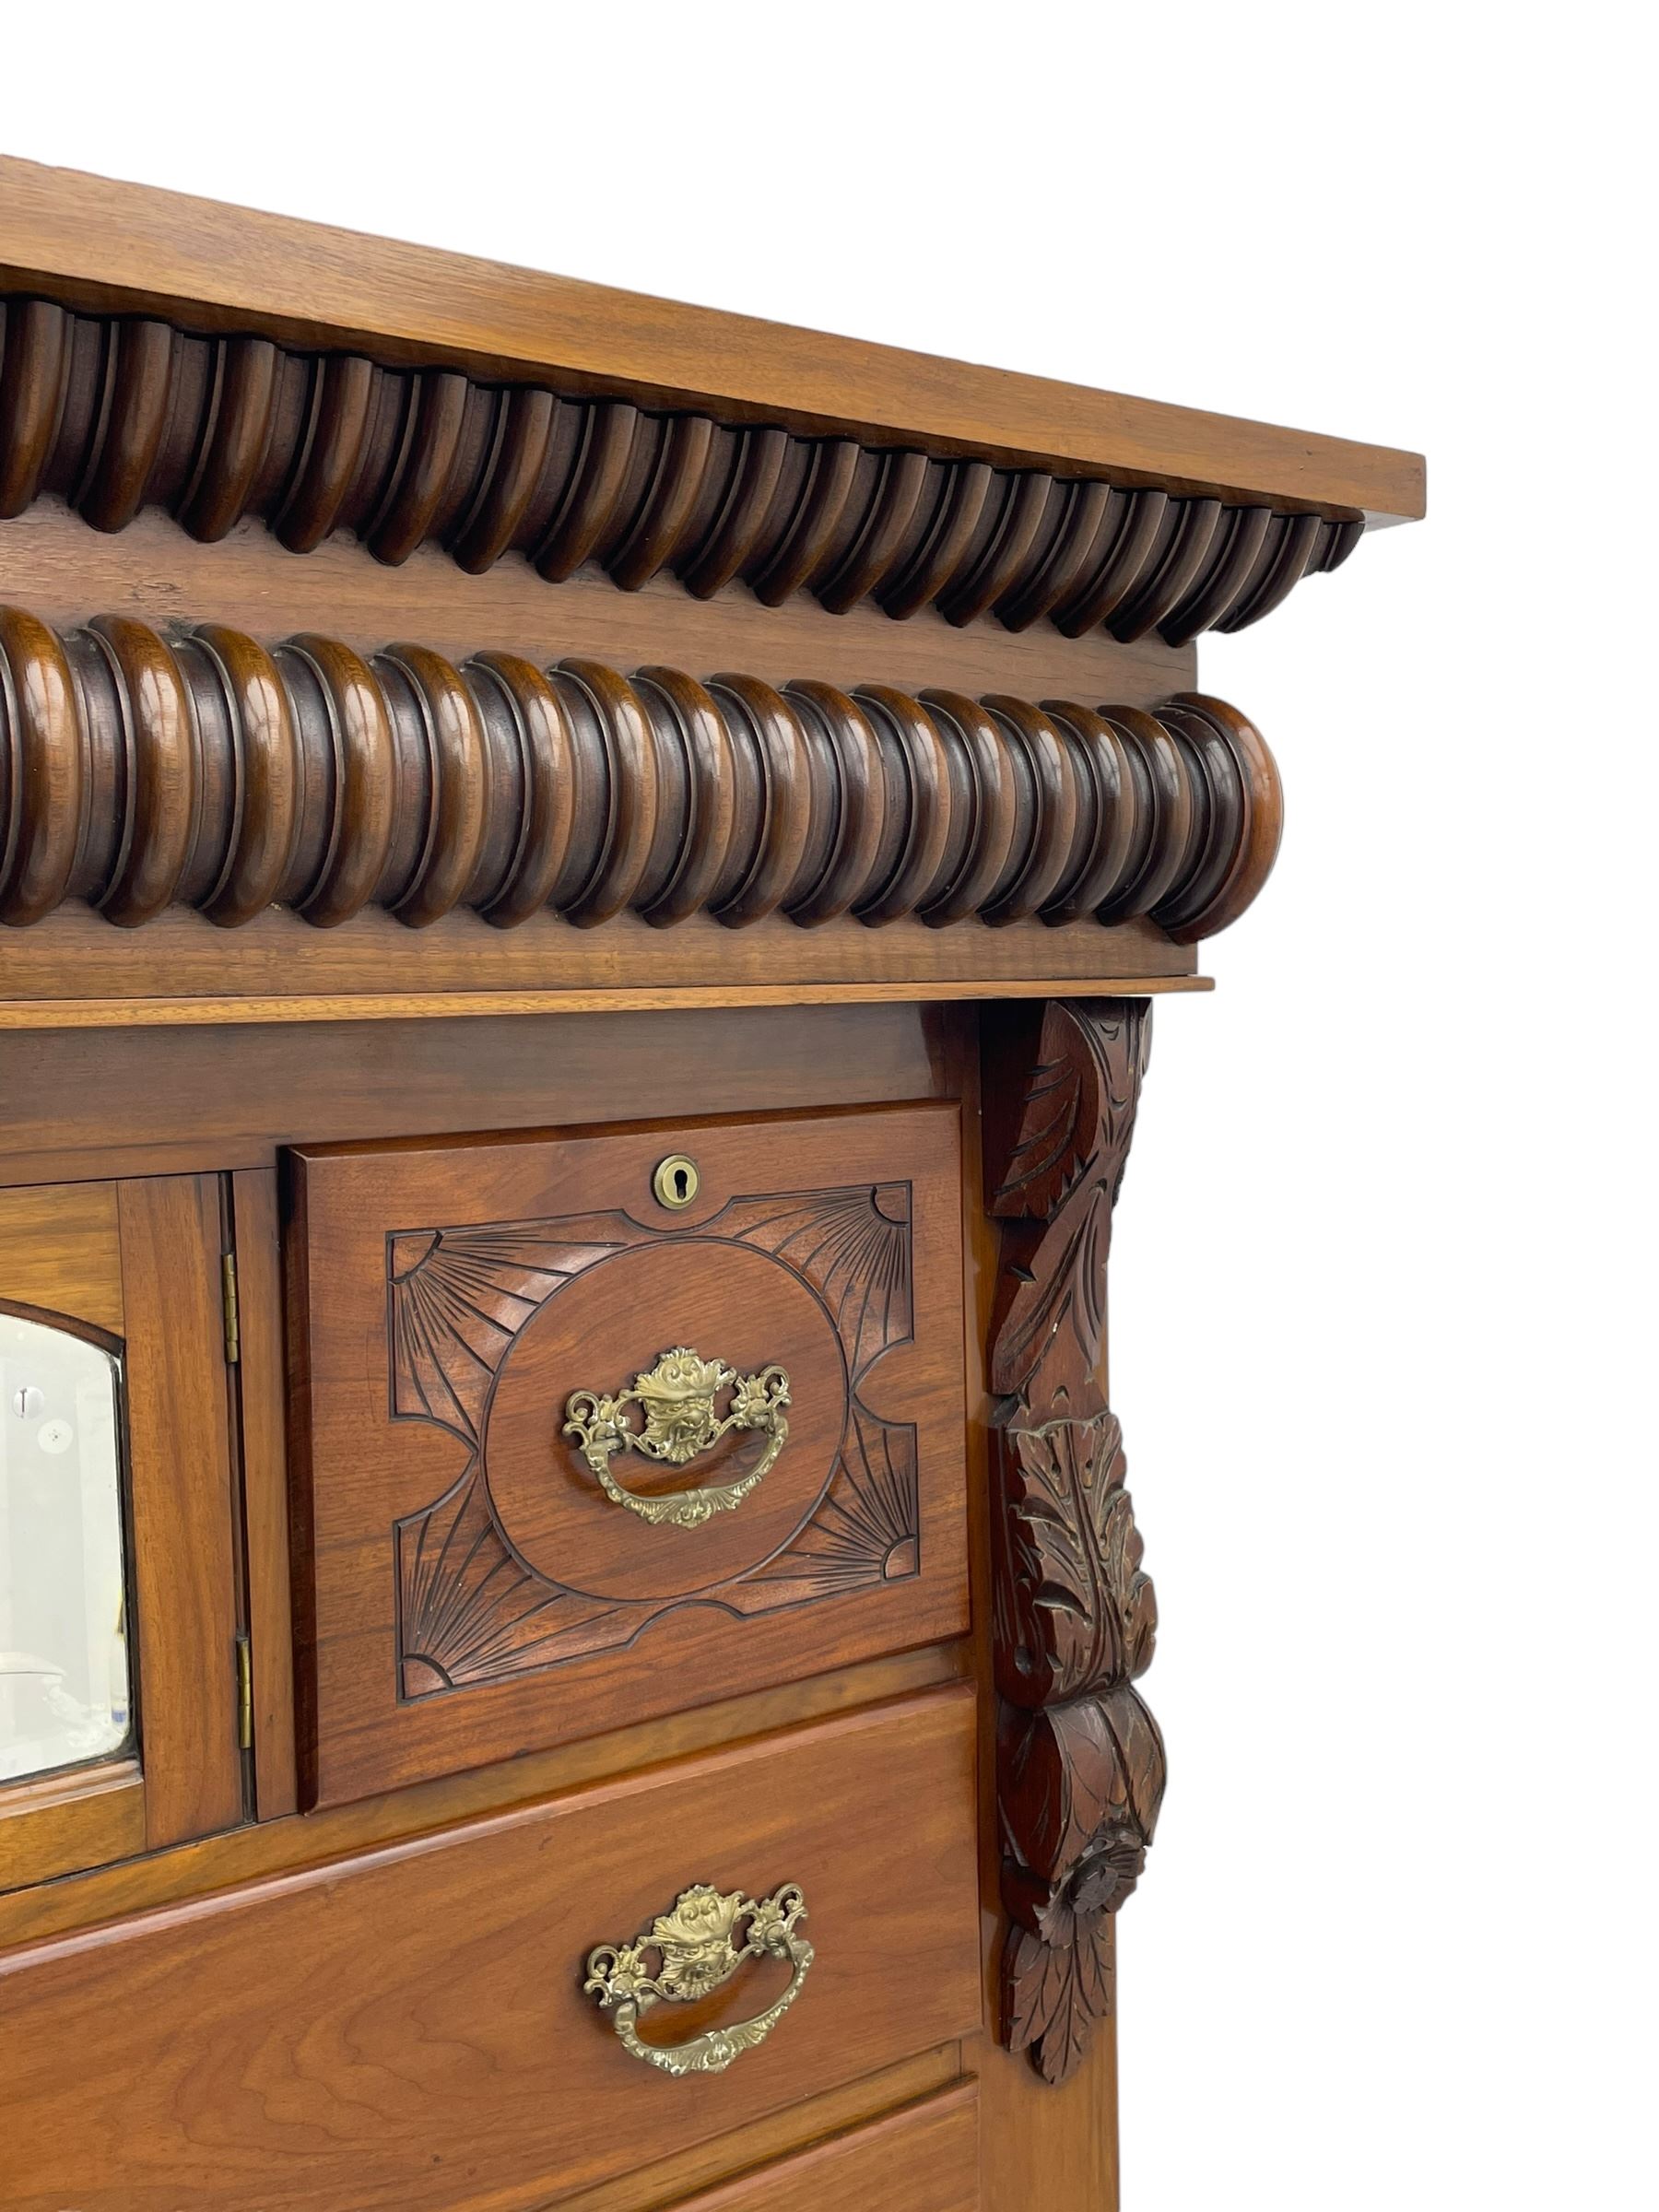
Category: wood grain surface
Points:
column 60, row 1250
column 832, row 2112
column 261, row 1386
column 1043, row 2145
column 408, row 2028
column 761, row 2143
column 52, row 562
column 83, row 1102
column 64, row 1823
column 75, row 956
column 286, row 1843
column 184, row 1562
column 925, row 2159
column 457, row 1006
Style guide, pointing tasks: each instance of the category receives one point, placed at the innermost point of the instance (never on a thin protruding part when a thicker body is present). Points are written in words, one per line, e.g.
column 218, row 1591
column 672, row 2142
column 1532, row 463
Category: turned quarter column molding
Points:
column 112, row 414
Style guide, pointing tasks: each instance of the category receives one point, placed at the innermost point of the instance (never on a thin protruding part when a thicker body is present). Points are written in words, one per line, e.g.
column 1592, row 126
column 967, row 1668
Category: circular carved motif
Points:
column 612, row 1323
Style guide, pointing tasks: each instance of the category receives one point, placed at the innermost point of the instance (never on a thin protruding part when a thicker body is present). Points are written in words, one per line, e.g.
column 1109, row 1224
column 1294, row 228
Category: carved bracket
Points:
column 1080, row 1763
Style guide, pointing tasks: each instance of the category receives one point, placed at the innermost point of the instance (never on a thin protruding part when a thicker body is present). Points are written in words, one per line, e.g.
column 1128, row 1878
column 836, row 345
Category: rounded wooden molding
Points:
column 112, row 414
column 204, row 769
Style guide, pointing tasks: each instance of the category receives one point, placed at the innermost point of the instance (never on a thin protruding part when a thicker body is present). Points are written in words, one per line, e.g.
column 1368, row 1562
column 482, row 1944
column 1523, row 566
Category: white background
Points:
column 1383, row 1310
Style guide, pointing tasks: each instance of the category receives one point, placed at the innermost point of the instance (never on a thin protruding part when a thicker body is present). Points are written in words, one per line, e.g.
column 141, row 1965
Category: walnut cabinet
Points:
column 584, row 885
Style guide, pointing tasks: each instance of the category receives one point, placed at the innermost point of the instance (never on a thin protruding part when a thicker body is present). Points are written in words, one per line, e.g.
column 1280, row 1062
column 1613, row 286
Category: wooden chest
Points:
column 584, row 887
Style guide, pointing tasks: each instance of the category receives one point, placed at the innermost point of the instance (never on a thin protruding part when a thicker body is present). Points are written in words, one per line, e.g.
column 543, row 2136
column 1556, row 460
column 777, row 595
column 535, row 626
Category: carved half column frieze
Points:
column 204, row 769
column 1080, row 1763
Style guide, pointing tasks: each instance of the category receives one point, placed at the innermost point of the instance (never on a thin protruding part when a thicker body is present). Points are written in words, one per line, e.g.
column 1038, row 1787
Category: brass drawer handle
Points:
column 676, row 1397
column 697, row 1954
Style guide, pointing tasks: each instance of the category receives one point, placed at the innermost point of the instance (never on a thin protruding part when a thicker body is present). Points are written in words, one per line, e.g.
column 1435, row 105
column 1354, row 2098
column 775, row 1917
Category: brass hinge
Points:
column 232, row 1320
column 244, row 1694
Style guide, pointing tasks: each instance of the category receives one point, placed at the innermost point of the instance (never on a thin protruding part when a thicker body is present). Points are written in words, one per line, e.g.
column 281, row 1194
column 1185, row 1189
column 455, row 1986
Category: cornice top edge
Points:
column 98, row 245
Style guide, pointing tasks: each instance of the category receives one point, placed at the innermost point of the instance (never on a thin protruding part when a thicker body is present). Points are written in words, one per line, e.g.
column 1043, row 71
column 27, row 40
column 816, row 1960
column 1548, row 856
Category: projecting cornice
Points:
column 115, row 414
column 263, row 447
column 106, row 247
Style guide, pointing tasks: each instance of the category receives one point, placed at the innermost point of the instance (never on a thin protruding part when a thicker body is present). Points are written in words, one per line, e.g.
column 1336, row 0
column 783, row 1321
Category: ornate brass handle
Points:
column 676, row 1397
column 697, row 1954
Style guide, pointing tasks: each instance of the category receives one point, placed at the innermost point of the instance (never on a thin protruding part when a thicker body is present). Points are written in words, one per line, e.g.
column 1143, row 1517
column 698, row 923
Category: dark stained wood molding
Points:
column 102, row 247
column 139, row 773
column 1080, row 1763
column 113, row 414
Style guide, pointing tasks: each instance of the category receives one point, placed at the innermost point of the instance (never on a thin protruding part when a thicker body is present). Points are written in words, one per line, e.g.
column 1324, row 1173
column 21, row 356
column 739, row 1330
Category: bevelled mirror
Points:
column 66, row 1693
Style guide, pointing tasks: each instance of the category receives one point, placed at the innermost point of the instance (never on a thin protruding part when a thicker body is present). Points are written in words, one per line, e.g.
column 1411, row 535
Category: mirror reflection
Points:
column 64, row 1690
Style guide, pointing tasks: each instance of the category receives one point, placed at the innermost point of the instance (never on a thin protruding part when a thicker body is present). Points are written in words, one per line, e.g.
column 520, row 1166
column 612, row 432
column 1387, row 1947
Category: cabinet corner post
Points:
column 1080, row 1762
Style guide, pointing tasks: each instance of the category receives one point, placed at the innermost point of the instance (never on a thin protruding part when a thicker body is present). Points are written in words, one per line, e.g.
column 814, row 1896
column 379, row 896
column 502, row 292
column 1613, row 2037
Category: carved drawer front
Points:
column 411, row 2028
column 924, row 2160
column 598, row 1428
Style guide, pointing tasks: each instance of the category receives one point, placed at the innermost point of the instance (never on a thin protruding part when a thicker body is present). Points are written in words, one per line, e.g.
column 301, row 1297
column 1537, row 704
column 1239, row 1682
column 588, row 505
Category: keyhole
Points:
column 676, row 1181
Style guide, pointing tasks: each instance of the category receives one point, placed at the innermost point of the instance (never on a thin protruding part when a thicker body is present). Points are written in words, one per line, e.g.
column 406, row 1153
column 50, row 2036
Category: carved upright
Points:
column 1080, row 1763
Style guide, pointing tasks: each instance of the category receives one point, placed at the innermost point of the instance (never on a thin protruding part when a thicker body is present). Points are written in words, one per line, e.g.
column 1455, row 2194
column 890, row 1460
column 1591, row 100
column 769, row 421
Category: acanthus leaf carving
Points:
column 1074, row 1606
column 1054, row 1994
column 1057, row 1192
column 1080, row 1763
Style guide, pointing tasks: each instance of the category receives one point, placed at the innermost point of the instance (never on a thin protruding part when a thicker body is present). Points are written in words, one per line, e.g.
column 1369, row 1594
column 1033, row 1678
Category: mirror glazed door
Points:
column 118, row 1596
column 64, row 1678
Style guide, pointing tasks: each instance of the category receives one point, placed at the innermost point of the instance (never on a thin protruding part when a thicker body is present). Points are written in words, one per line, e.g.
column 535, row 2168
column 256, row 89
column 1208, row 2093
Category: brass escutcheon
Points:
column 676, row 1397
column 676, row 1181
column 697, row 1953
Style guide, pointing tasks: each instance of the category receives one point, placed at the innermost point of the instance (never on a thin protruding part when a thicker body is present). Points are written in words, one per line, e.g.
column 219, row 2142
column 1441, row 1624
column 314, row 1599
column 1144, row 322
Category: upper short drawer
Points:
column 570, row 1452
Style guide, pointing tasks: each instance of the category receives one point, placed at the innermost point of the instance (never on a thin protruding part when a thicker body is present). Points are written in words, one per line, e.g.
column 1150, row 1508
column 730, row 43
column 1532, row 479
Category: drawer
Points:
column 409, row 2031
column 925, row 2159
column 571, row 1453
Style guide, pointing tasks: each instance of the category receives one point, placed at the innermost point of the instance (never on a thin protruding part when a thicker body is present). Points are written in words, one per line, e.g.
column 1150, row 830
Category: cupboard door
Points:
column 573, row 1450
column 117, row 1703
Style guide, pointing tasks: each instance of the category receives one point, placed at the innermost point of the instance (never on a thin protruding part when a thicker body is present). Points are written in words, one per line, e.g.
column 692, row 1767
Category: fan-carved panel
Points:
column 769, row 1381
column 525, row 1563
